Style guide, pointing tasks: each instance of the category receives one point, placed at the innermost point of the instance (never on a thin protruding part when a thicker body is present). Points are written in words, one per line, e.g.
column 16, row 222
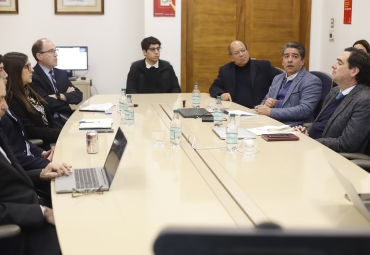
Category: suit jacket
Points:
column 16, row 138
column 300, row 101
column 348, row 129
column 262, row 74
column 137, row 80
column 44, row 87
column 18, row 199
column 32, row 122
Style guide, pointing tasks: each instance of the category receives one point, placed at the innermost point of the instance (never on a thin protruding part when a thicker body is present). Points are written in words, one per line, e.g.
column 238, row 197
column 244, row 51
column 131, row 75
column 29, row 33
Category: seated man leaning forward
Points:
column 293, row 96
column 343, row 124
column 243, row 81
column 152, row 75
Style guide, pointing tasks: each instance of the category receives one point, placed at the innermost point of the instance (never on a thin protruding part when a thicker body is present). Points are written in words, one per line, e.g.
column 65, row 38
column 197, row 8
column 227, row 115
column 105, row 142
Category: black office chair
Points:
column 360, row 159
column 326, row 87
column 8, row 231
column 262, row 241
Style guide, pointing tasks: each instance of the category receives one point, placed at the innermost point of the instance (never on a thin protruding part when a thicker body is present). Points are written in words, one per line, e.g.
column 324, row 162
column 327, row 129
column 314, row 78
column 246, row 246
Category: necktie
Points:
column 339, row 95
column 63, row 116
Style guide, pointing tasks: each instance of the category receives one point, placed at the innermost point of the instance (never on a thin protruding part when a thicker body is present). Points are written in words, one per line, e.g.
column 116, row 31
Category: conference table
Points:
column 289, row 183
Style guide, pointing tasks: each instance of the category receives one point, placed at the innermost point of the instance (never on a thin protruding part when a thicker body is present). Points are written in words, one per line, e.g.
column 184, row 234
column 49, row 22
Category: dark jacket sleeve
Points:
column 132, row 80
column 273, row 72
column 175, row 86
column 217, row 87
column 24, row 215
column 48, row 135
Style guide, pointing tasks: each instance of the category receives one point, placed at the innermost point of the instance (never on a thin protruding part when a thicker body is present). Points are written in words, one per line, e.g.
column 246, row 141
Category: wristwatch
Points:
column 58, row 95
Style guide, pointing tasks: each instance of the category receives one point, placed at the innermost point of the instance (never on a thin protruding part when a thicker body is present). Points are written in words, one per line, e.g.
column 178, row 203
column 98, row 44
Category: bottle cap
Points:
column 176, row 111
column 128, row 96
column 232, row 114
column 196, row 83
column 218, row 97
column 123, row 89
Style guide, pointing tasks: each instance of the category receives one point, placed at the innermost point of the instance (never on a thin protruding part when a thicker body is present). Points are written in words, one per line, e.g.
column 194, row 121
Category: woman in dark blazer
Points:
column 24, row 101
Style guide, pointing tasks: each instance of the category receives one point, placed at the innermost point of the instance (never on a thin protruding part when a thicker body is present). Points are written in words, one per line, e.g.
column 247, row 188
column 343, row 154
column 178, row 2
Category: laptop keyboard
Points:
column 86, row 178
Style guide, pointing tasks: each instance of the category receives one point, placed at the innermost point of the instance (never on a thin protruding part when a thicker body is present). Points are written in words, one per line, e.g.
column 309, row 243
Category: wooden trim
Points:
column 190, row 47
column 248, row 23
column 12, row 12
column 240, row 20
column 305, row 29
column 81, row 12
column 184, row 31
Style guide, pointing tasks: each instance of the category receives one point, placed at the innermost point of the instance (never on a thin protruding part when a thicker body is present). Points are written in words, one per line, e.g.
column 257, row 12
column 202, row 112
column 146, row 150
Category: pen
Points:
column 107, row 113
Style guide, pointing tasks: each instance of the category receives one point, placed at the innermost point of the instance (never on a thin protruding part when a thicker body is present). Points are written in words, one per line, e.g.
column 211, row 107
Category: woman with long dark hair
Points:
column 24, row 101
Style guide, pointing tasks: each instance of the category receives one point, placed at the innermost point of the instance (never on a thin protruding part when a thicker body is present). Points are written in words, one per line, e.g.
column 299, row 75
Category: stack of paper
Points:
column 272, row 130
column 241, row 113
column 97, row 107
column 95, row 124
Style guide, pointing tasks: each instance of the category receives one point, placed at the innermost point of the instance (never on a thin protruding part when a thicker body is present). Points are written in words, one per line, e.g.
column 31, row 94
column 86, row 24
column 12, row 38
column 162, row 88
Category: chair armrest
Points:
column 36, row 141
column 349, row 155
column 307, row 125
column 365, row 164
column 7, row 231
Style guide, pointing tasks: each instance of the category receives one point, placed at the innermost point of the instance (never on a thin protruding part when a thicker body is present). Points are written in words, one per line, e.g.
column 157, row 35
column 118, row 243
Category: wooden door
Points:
column 208, row 27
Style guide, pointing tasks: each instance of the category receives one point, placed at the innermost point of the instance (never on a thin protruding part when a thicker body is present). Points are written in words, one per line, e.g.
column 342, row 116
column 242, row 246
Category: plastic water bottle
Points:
column 122, row 105
column 175, row 130
column 196, row 96
column 218, row 115
column 232, row 135
column 129, row 112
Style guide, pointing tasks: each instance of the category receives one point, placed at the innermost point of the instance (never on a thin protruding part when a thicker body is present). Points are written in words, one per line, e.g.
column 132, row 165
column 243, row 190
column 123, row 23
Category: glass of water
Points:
column 210, row 104
column 249, row 147
column 159, row 138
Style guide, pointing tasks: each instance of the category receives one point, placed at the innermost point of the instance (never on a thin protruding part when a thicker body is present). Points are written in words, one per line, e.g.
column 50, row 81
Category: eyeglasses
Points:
column 235, row 53
column 154, row 49
column 295, row 56
column 29, row 67
column 52, row 51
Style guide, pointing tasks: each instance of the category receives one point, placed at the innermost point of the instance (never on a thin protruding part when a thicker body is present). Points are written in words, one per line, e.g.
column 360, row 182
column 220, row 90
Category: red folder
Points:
column 271, row 139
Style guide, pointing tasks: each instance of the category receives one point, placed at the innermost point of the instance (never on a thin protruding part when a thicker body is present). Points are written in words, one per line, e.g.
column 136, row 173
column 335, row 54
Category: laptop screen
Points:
column 115, row 154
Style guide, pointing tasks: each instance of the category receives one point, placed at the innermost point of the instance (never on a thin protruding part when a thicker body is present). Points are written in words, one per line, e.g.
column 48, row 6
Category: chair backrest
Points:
column 326, row 87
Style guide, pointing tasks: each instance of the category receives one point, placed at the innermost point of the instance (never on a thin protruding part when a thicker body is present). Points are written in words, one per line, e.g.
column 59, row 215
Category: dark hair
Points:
column 361, row 60
column 365, row 44
column 229, row 48
column 146, row 42
column 14, row 63
column 37, row 47
column 296, row 45
column 1, row 58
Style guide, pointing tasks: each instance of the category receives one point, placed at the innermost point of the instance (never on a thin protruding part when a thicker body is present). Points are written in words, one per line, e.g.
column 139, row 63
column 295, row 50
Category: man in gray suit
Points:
column 293, row 95
column 343, row 124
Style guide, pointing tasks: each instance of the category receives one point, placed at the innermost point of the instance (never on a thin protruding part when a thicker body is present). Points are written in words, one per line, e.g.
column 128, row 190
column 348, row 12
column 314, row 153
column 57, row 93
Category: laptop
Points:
column 192, row 112
column 362, row 206
column 84, row 179
column 242, row 133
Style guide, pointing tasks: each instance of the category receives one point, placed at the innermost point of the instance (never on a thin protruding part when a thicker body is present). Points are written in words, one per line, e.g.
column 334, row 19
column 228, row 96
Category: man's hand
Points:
column 49, row 215
column 49, row 154
column 53, row 170
column 53, row 96
column 70, row 89
column 301, row 129
column 263, row 110
column 226, row 97
column 270, row 102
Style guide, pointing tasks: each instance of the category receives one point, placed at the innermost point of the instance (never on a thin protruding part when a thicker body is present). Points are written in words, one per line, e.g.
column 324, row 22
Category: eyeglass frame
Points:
column 51, row 51
column 154, row 49
column 29, row 66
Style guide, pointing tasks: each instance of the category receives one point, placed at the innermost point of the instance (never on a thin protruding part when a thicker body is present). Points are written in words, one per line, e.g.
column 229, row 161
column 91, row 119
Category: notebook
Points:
column 242, row 133
column 94, row 178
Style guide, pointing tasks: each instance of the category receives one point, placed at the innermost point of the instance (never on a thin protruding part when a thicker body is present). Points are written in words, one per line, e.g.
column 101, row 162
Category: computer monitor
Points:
column 72, row 58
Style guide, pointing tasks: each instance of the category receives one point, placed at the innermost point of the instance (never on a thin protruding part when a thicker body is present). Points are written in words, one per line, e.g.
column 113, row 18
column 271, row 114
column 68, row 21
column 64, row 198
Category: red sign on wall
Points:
column 164, row 8
column 347, row 12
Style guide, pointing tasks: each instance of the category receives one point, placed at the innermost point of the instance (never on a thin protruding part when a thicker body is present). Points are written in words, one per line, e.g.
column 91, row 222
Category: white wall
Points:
column 168, row 31
column 323, row 53
column 113, row 38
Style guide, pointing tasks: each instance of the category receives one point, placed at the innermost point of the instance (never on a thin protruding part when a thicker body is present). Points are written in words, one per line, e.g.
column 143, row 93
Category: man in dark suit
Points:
column 343, row 124
column 243, row 81
column 152, row 75
column 20, row 204
column 52, row 83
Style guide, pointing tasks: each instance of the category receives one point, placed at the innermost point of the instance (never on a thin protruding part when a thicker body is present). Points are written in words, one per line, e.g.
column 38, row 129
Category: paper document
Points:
column 241, row 113
column 97, row 107
column 96, row 120
column 272, row 130
column 95, row 124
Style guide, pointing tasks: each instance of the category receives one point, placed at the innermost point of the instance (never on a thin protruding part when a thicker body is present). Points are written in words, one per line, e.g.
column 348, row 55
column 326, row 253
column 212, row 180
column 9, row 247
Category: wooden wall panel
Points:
column 265, row 25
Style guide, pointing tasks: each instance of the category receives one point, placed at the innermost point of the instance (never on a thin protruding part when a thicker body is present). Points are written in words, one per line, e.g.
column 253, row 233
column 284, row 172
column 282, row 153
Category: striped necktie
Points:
column 63, row 116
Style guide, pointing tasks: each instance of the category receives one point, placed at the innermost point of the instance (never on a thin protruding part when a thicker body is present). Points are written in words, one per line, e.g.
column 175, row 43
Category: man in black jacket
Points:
column 152, row 75
column 243, row 81
column 52, row 84
column 21, row 205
